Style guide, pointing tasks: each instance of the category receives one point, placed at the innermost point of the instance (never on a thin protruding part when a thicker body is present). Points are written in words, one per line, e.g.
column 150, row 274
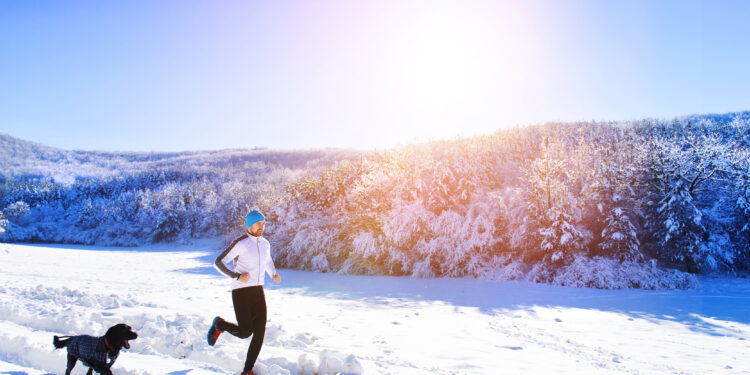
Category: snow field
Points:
column 329, row 324
column 73, row 294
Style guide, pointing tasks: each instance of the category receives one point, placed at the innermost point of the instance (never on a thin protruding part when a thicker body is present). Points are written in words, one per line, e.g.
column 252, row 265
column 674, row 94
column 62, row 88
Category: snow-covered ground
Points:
column 327, row 323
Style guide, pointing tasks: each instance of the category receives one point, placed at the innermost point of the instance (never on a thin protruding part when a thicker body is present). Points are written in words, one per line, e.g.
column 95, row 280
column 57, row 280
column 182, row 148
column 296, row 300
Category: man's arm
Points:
column 271, row 268
column 219, row 262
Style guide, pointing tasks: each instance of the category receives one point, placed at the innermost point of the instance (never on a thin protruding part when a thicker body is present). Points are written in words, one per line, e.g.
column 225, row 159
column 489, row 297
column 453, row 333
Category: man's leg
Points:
column 242, row 301
column 258, row 313
column 229, row 327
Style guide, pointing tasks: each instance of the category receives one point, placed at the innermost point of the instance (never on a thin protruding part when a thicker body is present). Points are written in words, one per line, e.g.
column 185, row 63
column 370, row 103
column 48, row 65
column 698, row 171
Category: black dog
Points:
column 98, row 353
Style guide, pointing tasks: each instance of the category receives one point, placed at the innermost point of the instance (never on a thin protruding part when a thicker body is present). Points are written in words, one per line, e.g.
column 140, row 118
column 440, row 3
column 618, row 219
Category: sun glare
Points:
column 440, row 65
column 447, row 67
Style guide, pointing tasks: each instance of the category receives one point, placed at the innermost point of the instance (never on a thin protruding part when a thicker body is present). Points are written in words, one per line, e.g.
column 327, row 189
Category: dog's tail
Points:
column 60, row 341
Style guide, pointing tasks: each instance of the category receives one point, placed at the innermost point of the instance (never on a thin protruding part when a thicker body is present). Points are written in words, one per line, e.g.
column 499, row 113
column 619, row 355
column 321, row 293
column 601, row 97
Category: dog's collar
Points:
column 109, row 348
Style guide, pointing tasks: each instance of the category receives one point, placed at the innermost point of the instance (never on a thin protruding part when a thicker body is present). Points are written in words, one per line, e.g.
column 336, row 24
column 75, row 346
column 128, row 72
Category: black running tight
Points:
column 250, row 310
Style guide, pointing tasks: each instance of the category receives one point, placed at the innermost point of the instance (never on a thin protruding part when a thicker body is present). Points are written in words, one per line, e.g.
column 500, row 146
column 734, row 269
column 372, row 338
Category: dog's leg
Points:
column 71, row 363
column 91, row 371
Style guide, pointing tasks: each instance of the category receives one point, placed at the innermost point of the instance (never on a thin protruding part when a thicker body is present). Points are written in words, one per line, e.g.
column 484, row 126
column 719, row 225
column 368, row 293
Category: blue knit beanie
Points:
column 253, row 217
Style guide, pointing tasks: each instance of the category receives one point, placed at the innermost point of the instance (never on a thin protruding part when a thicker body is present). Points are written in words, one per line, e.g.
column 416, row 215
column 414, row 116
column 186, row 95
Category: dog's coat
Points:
column 91, row 349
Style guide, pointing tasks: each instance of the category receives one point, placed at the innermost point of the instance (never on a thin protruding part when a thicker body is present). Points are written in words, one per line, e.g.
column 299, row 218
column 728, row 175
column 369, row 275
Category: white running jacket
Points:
column 248, row 254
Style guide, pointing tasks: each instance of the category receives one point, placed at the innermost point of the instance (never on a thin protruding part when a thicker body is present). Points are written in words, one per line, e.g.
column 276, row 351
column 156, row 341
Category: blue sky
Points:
column 196, row 75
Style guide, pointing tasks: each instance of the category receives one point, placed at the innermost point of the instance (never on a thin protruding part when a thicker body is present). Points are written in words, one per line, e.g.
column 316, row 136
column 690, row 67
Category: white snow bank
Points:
column 604, row 273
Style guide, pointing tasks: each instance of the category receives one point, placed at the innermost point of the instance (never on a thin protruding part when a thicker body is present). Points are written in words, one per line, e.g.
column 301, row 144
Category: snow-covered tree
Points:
column 613, row 195
column 740, row 203
column 3, row 223
column 554, row 214
column 684, row 176
column 619, row 236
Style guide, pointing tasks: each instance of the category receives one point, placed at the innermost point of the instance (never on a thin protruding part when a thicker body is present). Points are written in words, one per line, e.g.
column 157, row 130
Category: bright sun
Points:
column 446, row 67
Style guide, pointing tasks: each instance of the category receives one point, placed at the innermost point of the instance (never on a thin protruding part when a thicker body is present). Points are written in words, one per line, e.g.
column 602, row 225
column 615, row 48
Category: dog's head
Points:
column 118, row 335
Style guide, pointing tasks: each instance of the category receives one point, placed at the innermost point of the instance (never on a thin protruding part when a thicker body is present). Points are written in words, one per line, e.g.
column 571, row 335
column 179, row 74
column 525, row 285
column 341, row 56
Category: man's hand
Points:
column 244, row 277
column 276, row 278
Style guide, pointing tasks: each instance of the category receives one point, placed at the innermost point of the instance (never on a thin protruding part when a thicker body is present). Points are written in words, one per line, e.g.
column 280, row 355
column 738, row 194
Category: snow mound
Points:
column 604, row 273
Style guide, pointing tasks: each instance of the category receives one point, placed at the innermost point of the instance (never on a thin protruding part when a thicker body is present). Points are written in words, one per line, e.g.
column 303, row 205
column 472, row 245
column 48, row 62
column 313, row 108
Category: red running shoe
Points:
column 214, row 331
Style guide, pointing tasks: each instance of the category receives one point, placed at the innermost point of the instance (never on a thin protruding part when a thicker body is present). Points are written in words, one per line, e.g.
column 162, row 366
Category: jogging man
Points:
column 251, row 258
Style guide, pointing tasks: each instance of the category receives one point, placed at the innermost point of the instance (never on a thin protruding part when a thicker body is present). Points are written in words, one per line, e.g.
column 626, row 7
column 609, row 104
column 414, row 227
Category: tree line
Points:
column 604, row 204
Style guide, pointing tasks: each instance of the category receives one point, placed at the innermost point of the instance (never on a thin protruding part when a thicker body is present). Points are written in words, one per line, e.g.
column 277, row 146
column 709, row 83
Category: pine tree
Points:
column 684, row 177
column 619, row 236
column 615, row 206
column 741, row 200
column 561, row 238
column 554, row 215
column 3, row 223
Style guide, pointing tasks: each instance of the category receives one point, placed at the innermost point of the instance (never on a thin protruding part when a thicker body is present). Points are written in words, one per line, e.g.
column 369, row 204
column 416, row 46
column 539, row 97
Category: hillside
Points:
column 25, row 159
column 637, row 204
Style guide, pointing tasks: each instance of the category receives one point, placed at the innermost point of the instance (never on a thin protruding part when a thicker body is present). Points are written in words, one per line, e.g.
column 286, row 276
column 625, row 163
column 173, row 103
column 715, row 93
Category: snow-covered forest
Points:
column 131, row 199
column 600, row 204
